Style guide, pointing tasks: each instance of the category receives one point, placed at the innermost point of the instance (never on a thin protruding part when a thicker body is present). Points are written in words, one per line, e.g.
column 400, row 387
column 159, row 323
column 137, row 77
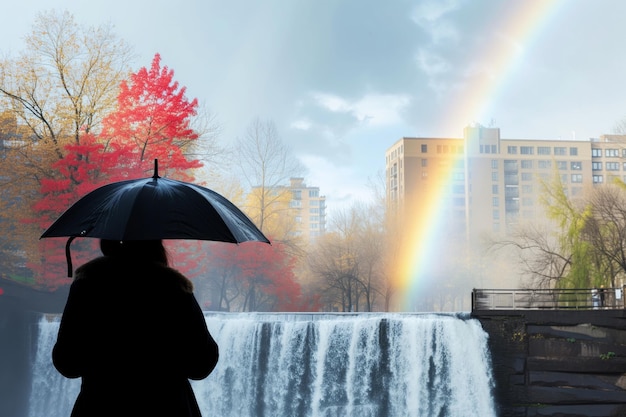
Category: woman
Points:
column 133, row 331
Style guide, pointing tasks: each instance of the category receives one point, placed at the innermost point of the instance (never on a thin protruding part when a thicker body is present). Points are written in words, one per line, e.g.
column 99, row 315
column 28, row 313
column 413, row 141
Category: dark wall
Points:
column 558, row 363
column 20, row 310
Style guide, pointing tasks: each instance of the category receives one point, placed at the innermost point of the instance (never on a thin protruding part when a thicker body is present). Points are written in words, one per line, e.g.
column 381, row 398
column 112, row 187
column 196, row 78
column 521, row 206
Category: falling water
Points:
column 322, row 366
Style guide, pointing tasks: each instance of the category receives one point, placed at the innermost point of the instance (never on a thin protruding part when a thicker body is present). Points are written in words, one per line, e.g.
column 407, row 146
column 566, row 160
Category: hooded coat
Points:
column 135, row 334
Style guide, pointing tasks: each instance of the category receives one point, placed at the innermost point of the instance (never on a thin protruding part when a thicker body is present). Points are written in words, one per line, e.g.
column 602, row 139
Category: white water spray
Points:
column 365, row 365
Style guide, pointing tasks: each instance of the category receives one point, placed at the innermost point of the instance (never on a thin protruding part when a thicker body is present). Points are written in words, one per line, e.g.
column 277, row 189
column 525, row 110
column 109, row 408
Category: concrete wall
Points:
column 20, row 310
column 558, row 363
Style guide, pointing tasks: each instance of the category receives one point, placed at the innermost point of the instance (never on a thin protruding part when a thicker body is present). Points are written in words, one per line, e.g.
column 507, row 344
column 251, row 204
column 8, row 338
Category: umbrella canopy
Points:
column 155, row 208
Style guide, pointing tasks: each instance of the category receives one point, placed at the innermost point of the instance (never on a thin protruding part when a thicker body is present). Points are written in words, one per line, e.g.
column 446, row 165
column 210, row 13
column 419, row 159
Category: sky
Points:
column 343, row 80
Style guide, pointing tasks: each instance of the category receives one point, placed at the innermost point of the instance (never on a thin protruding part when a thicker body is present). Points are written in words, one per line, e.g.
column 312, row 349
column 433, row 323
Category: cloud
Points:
column 371, row 109
column 429, row 15
column 431, row 64
column 341, row 184
column 301, row 124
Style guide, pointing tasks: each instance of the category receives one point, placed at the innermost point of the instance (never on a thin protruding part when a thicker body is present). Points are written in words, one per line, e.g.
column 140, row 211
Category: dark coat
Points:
column 136, row 335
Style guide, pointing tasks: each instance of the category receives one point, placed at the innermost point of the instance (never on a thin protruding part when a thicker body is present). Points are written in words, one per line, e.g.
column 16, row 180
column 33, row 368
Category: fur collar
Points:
column 105, row 266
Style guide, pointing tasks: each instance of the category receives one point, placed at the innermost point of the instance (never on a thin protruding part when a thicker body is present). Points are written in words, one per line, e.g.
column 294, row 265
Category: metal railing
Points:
column 554, row 299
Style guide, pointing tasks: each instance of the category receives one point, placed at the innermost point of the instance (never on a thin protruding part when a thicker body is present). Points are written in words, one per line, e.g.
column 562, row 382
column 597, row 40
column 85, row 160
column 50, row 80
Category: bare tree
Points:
column 267, row 165
column 606, row 231
column 539, row 255
column 556, row 253
column 349, row 261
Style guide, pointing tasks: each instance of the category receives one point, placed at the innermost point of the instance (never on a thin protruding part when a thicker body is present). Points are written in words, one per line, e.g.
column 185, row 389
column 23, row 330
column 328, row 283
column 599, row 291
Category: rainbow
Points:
column 523, row 22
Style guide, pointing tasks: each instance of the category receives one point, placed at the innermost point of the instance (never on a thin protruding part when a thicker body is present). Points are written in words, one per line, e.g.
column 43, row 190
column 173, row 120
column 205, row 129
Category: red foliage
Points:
column 264, row 268
column 152, row 121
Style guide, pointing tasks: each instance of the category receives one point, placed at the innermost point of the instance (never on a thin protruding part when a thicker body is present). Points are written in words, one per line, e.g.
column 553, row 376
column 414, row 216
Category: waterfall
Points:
column 365, row 365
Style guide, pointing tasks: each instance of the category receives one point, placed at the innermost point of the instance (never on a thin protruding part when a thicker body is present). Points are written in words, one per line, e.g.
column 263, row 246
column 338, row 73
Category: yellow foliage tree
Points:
column 59, row 88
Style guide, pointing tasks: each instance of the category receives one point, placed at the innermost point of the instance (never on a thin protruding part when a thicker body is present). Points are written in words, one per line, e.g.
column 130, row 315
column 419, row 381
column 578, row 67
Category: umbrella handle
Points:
column 156, row 169
column 68, row 256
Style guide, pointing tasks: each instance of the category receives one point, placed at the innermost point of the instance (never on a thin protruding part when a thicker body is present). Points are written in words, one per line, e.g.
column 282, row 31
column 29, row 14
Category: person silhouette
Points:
column 133, row 331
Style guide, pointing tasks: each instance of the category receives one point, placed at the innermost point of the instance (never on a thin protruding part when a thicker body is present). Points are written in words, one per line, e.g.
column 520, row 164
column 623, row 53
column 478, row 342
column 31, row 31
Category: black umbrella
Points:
column 154, row 208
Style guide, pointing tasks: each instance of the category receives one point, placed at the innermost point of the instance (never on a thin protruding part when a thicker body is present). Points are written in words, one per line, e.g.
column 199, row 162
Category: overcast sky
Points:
column 344, row 79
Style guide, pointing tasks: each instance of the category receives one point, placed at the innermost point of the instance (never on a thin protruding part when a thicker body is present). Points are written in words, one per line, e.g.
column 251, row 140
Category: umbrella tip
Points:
column 156, row 169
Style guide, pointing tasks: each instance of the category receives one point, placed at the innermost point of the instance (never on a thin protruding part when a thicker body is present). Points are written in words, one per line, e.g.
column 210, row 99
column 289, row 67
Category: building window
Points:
column 562, row 165
column 496, row 214
column 544, row 164
column 527, row 201
column 495, row 201
column 527, row 176
column 510, row 165
column 527, row 150
column 314, row 193
column 494, row 149
column 543, row 150
column 564, row 178
column 511, row 150
column 314, row 211
column 527, row 164
column 560, row 150
column 611, row 153
column 576, row 178
column 458, row 176
column 596, row 166
column 494, row 164
column 295, row 203
column 494, row 189
column 424, row 148
column 297, row 194
column 527, row 189
column 596, row 153
column 612, row 166
column 314, row 203
column 573, row 151
column 576, row 165
column 494, row 176
column 598, row 179
column 458, row 189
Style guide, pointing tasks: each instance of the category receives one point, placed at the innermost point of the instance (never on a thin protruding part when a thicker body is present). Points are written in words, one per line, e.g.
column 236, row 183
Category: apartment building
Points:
column 483, row 183
column 310, row 209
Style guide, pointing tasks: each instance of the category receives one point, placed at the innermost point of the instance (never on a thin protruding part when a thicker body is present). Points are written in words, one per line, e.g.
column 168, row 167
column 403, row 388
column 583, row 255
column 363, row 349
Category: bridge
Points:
column 551, row 299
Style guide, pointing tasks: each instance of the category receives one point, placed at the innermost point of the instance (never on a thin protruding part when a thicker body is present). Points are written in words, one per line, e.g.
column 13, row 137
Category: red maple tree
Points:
column 152, row 121
column 261, row 276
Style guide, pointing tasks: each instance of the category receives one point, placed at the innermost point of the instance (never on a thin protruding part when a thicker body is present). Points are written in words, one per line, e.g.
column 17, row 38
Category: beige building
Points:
column 484, row 183
column 310, row 209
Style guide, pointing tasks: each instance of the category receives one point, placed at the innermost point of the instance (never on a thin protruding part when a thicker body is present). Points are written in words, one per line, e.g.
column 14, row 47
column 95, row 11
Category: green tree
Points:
column 606, row 232
column 554, row 253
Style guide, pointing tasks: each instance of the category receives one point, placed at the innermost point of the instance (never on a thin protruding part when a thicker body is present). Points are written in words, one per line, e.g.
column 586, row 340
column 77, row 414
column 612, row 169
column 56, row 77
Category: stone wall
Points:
column 557, row 362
